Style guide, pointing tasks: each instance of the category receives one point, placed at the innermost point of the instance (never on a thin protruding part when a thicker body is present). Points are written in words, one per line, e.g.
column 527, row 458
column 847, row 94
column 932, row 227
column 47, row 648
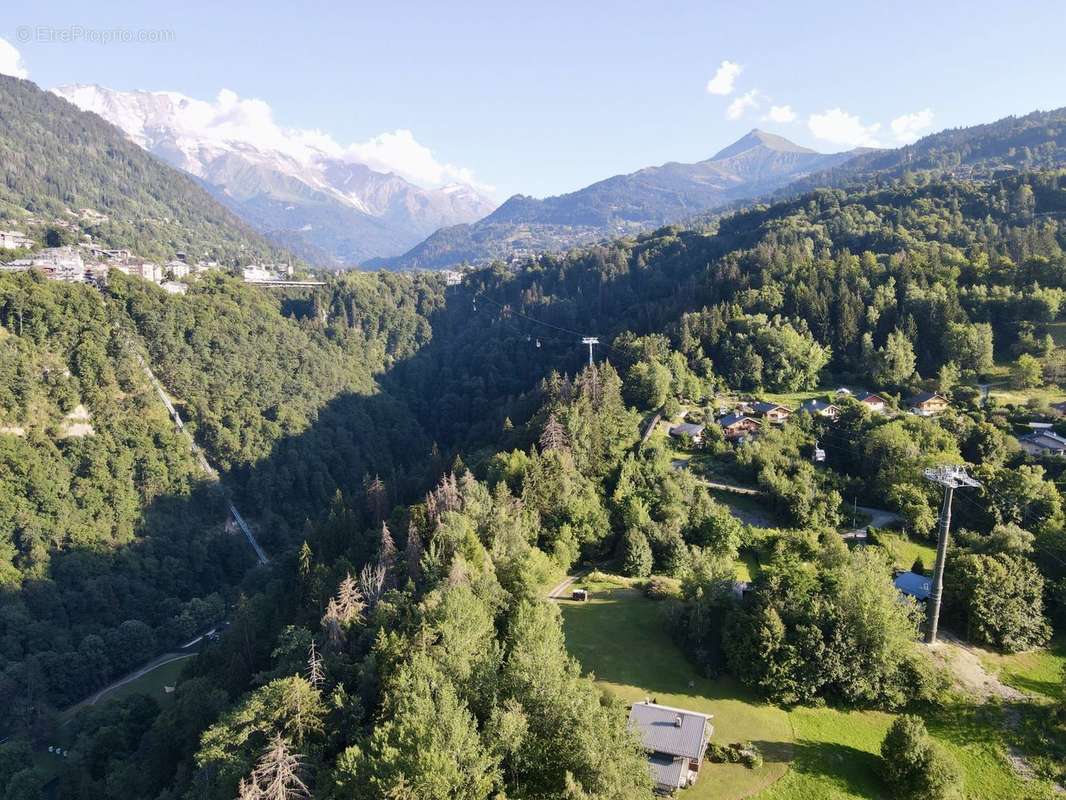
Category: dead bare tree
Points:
column 343, row 609
column 387, row 549
column 444, row 498
column 377, row 498
column 372, row 583
column 276, row 776
column 553, row 437
column 315, row 674
column 412, row 555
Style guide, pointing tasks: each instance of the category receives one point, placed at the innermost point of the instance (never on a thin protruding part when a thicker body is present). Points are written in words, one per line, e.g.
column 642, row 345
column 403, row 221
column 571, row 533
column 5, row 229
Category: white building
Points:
column 257, row 273
column 175, row 287
column 13, row 240
column 179, row 269
column 142, row 269
column 58, row 263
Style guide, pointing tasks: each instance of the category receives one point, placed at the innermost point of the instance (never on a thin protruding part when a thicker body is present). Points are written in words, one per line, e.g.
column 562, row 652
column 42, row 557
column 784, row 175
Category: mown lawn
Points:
column 905, row 550
column 1037, row 672
column 150, row 684
column 618, row 636
column 811, row 753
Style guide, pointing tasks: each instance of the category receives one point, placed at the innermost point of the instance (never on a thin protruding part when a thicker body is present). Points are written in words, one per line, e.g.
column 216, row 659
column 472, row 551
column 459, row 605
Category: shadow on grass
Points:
column 847, row 768
column 964, row 723
column 1051, row 689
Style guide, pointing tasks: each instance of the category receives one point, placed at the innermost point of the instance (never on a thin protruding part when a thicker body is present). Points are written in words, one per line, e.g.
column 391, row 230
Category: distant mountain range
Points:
column 756, row 164
column 61, row 167
column 329, row 210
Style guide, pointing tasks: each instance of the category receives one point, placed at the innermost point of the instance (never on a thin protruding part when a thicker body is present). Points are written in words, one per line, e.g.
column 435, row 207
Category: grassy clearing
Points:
column 905, row 551
column 151, row 684
column 1037, row 673
column 605, row 633
column 748, row 508
column 747, row 566
column 811, row 753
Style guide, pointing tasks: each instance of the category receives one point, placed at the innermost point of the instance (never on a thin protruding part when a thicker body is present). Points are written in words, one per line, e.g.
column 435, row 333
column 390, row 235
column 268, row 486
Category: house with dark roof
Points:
column 675, row 740
column 689, row 429
column 772, row 412
column 736, row 427
column 927, row 404
column 1043, row 443
column 817, row 407
column 914, row 585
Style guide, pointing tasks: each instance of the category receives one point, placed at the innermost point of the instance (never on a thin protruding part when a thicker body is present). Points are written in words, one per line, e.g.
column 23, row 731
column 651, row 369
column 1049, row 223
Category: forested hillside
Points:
column 961, row 271
column 424, row 463
column 109, row 545
column 56, row 162
column 1031, row 142
column 113, row 545
column 281, row 390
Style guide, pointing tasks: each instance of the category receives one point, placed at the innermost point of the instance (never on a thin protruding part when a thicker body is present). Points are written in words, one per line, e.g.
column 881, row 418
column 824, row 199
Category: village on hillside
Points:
column 87, row 262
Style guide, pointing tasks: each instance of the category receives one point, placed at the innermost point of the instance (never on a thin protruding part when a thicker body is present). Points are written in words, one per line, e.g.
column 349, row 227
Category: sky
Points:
column 547, row 97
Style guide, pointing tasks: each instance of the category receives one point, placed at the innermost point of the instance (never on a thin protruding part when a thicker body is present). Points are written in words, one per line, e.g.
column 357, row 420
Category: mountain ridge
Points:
column 64, row 167
column 344, row 211
column 625, row 204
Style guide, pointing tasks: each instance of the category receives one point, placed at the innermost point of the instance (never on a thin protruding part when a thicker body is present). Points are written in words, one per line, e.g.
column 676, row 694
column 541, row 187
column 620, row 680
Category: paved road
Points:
column 210, row 471
column 879, row 518
column 556, row 592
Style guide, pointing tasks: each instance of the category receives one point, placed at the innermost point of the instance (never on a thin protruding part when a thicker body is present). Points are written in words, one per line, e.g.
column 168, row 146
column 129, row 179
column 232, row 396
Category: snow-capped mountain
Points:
column 298, row 187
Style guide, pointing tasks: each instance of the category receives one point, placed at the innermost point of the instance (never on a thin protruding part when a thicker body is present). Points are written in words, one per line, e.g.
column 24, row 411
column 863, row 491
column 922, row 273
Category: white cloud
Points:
column 724, row 78
column 739, row 107
column 840, row 127
column 780, row 114
column 11, row 61
column 909, row 127
column 249, row 123
column 398, row 151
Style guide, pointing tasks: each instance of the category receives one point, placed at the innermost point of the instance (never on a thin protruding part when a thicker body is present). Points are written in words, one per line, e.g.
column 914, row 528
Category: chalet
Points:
column 737, row 426
column 675, row 740
column 772, row 412
column 692, row 431
column 819, row 408
column 914, row 585
column 1043, row 443
column 927, row 404
column 872, row 401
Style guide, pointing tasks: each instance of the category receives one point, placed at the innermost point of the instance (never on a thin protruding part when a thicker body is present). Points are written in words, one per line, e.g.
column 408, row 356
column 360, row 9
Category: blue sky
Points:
column 548, row 97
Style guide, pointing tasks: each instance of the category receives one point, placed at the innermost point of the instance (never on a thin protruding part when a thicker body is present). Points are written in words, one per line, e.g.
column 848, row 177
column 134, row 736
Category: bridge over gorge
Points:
column 286, row 283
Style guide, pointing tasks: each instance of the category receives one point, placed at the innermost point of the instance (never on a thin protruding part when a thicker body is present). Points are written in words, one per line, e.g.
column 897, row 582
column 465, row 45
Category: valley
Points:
column 327, row 475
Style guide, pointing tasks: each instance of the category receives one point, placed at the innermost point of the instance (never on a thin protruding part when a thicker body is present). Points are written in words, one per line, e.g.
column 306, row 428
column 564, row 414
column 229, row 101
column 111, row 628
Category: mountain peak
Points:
column 759, row 138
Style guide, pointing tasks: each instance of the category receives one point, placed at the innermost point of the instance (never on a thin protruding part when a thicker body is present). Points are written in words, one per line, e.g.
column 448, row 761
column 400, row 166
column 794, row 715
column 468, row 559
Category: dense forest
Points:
column 948, row 273
column 1027, row 143
column 423, row 462
column 90, row 585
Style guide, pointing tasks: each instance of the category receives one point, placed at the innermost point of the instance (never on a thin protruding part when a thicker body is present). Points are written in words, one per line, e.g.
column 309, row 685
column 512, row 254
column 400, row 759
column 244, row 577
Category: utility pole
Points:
column 951, row 478
column 590, row 341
